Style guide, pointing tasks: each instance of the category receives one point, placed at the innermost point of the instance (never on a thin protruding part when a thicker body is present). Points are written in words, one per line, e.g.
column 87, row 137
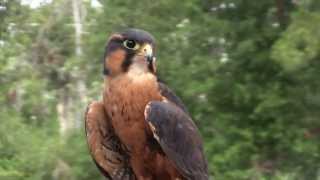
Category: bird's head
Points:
column 130, row 51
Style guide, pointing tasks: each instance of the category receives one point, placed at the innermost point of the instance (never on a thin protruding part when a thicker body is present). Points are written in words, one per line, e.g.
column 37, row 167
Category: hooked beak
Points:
column 148, row 53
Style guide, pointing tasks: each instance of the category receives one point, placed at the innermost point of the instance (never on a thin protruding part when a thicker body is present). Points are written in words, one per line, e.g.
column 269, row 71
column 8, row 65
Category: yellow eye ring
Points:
column 130, row 44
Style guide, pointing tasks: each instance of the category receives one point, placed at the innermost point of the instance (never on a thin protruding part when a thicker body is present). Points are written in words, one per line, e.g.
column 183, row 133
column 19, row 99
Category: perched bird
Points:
column 141, row 129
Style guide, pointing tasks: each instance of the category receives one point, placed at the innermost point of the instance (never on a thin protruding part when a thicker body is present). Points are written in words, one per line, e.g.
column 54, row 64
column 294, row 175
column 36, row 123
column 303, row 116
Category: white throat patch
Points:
column 139, row 73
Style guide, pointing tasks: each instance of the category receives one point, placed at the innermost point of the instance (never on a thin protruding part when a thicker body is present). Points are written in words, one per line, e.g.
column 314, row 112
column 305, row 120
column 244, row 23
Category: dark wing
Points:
column 104, row 146
column 171, row 96
column 178, row 137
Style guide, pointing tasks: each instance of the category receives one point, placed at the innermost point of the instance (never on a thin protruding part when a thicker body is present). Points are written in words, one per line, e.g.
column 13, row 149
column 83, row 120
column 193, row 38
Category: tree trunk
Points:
column 78, row 16
column 281, row 13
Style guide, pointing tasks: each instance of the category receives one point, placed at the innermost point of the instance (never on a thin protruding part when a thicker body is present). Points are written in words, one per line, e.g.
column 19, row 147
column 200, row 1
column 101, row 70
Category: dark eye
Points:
column 131, row 44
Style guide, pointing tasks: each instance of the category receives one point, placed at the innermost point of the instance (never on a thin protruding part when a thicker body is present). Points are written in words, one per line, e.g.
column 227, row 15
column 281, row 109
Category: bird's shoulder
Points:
column 170, row 95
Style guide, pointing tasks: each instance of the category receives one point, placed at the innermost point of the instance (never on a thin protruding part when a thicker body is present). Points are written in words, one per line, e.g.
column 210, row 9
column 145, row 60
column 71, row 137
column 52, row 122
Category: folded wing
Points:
column 177, row 135
column 105, row 148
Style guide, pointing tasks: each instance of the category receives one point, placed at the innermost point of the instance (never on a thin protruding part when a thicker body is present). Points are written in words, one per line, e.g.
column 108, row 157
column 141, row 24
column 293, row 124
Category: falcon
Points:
column 141, row 129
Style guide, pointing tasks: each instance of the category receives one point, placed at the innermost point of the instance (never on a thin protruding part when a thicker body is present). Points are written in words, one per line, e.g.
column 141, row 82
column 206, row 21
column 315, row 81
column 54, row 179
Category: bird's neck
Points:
column 133, row 81
column 139, row 72
column 131, row 78
column 131, row 92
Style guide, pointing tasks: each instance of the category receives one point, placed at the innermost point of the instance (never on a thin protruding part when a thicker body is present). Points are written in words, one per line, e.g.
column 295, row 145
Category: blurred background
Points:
column 247, row 70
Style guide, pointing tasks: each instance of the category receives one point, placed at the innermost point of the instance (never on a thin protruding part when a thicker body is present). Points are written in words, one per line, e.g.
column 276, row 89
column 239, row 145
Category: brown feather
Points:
column 130, row 85
column 104, row 146
column 114, row 61
column 179, row 138
column 125, row 99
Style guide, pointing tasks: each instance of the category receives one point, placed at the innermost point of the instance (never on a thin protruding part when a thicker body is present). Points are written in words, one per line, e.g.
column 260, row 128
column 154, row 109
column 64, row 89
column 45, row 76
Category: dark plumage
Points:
column 115, row 42
column 141, row 129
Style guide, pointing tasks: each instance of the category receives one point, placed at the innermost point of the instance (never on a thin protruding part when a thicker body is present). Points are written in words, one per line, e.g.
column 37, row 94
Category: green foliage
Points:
column 26, row 152
column 300, row 42
column 247, row 71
